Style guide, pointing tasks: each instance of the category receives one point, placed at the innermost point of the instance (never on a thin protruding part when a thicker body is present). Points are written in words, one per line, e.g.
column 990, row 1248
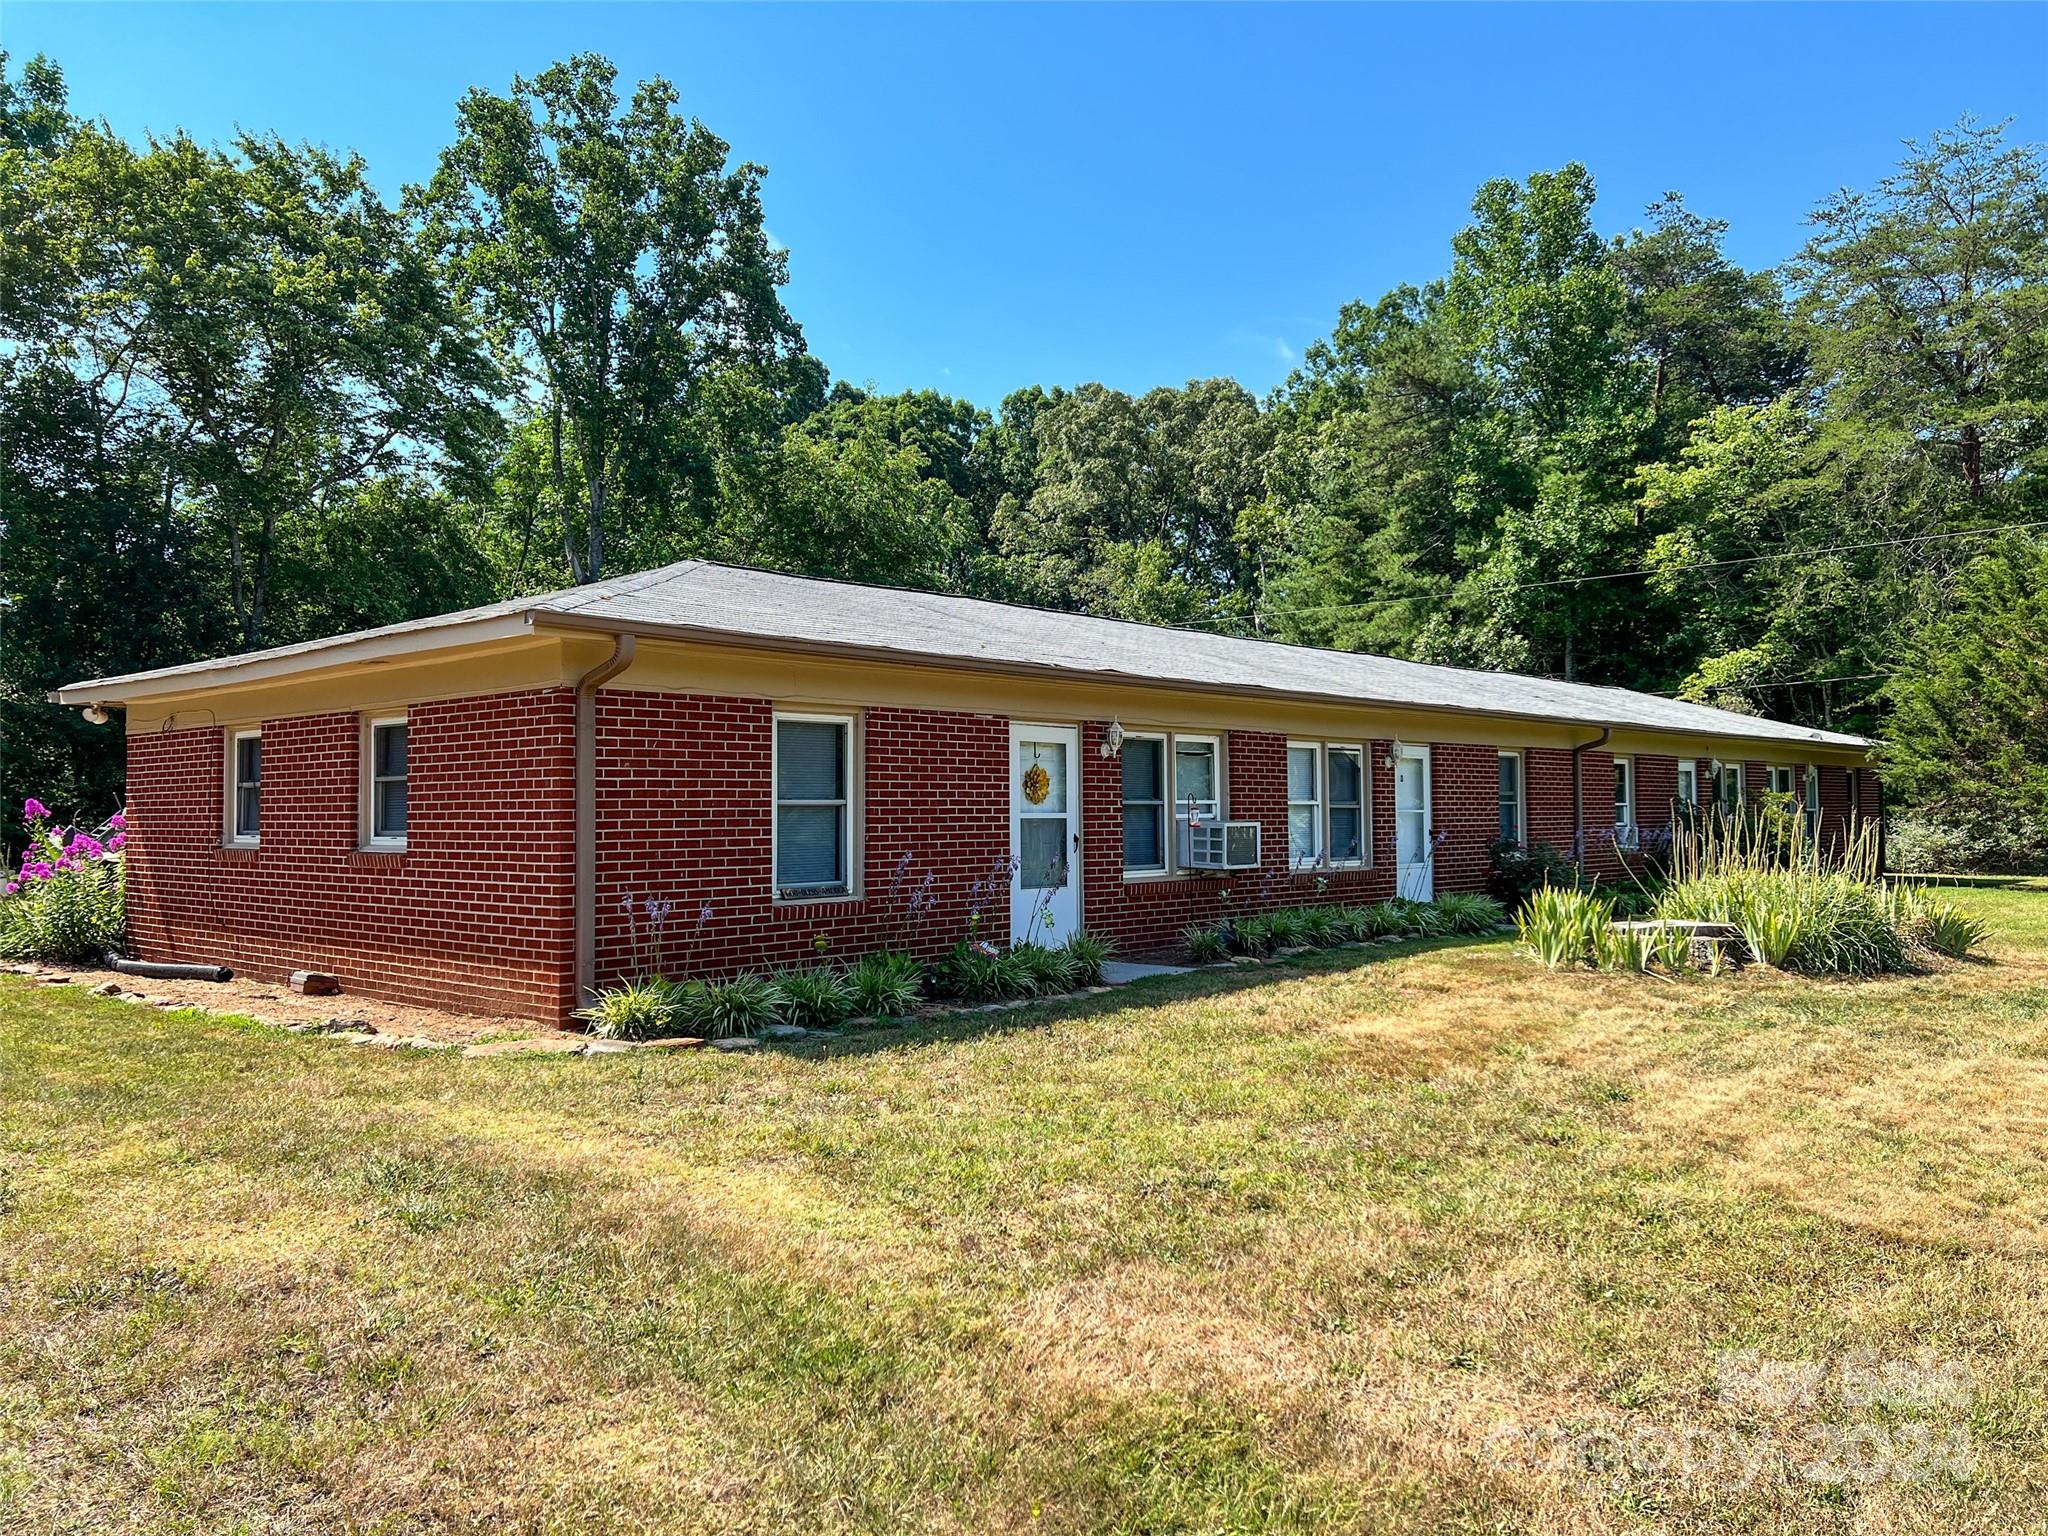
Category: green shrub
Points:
column 637, row 1010
column 1514, row 871
column 814, row 997
column 1205, row 946
column 745, row 1005
column 1465, row 912
column 886, row 985
column 1089, row 953
column 1033, row 970
column 1562, row 926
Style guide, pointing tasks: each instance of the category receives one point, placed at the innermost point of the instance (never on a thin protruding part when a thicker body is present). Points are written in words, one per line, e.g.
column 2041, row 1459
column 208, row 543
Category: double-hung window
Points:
column 1144, row 765
column 1168, row 780
column 1812, row 801
column 1197, row 786
column 1304, row 804
column 1327, row 822
column 1624, row 802
column 1511, row 818
column 245, row 787
column 1781, row 780
column 1350, row 835
column 385, row 764
column 1688, row 782
column 813, row 835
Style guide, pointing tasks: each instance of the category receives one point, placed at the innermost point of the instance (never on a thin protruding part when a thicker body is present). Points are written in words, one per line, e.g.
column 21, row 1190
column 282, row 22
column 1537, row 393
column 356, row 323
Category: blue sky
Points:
column 981, row 197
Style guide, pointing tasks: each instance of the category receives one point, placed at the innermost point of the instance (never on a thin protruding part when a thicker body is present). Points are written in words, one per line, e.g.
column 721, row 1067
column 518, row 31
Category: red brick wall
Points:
column 685, row 812
column 474, row 915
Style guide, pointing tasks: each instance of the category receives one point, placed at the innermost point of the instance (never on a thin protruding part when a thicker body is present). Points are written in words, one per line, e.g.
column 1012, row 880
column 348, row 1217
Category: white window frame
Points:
column 231, row 818
column 1731, row 773
column 1331, row 860
column 367, row 837
column 1220, row 804
column 1318, row 807
column 1325, row 855
column 849, row 816
column 1521, row 762
column 1625, row 824
column 1168, row 837
column 1777, row 774
column 1809, row 801
column 1688, row 781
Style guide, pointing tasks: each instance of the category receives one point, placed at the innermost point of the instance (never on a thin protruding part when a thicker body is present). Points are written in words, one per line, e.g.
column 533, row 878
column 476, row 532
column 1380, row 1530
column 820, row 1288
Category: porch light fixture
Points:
column 1113, row 739
column 1394, row 750
column 95, row 715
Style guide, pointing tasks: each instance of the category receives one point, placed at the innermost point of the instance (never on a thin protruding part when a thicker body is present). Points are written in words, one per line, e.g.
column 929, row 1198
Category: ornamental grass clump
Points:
column 1799, row 907
column 66, row 902
column 744, row 1005
column 1562, row 926
column 1035, row 970
column 1205, row 946
column 815, row 997
column 886, row 985
column 1466, row 912
column 1088, row 953
column 638, row 1010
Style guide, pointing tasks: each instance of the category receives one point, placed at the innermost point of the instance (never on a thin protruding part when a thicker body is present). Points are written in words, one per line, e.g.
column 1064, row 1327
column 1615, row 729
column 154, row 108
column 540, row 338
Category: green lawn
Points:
column 1340, row 1246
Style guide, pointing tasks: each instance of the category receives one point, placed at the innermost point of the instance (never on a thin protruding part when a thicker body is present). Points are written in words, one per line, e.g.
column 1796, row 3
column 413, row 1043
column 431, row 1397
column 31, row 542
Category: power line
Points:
column 1793, row 682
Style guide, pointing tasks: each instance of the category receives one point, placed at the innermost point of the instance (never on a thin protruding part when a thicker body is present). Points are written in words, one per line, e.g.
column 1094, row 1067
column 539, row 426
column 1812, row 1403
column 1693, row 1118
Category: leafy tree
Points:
column 1968, row 736
column 619, row 264
column 260, row 315
column 1925, row 305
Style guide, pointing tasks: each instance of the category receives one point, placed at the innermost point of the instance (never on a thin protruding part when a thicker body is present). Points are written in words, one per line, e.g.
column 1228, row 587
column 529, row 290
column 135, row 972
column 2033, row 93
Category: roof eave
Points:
column 544, row 618
column 344, row 650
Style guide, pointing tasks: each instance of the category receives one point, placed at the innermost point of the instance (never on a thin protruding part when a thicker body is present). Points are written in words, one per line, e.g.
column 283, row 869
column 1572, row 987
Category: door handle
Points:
column 1077, row 842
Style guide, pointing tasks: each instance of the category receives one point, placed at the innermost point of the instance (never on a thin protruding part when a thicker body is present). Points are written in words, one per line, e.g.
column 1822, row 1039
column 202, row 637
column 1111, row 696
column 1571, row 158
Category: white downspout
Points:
column 586, row 810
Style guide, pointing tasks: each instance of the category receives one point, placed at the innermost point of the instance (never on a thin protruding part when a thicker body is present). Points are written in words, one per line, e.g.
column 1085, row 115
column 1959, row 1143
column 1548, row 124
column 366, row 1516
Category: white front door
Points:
column 1414, row 849
column 1045, row 833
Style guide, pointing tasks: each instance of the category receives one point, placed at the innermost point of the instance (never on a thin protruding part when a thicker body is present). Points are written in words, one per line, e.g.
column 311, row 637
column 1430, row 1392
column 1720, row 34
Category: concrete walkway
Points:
column 1118, row 972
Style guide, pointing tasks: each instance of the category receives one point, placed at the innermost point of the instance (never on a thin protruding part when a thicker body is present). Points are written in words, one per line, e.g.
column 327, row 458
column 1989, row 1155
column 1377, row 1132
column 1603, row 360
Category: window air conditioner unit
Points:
column 1223, row 845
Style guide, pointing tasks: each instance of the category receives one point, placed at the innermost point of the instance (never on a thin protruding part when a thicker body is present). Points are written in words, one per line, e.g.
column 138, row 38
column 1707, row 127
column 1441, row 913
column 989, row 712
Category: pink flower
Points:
column 85, row 846
column 33, row 808
column 36, row 871
column 117, row 821
column 64, row 866
column 117, row 842
column 13, row 886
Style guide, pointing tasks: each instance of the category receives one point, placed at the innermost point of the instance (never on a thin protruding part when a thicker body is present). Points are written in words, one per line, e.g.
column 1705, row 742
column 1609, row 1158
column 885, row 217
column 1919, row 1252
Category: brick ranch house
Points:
column 456, row 811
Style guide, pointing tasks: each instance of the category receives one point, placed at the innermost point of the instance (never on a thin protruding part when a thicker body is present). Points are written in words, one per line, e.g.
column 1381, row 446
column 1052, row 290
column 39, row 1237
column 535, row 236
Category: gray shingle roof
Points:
column 738, row 604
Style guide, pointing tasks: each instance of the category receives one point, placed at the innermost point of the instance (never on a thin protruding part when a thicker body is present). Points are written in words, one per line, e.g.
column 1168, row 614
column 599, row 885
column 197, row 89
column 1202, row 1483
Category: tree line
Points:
column 246, row 400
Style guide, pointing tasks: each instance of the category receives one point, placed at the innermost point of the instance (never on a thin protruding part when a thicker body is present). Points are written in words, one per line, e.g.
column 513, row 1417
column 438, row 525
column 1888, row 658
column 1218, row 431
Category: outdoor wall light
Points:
column 1113, row 739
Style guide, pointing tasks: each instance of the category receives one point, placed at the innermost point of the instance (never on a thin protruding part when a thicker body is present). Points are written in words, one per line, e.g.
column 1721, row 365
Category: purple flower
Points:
column 704, row 914
column 13, row 886
column 32, row 809
column 117, row 821
column 36, row 871
column 117, row 842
